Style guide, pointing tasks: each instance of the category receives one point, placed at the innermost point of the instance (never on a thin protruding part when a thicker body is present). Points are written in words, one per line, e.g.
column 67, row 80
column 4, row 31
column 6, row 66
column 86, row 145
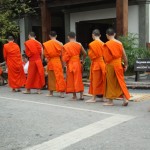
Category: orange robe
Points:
column 97, row 70
column 1, row 71
column 12, row 56
column 71, row 56
column 35, row 78
column 53, row 51
column 115, row 83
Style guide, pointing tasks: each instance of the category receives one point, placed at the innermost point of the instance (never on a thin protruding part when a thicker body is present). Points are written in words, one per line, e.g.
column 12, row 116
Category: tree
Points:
column 10, row 12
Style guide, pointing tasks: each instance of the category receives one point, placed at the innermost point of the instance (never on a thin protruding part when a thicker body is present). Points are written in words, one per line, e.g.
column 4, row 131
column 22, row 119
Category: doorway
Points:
column 84, row 30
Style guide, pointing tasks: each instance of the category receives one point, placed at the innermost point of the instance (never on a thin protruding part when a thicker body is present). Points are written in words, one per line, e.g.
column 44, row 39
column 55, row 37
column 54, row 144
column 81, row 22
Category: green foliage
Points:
column 10, row 11
column 87, row 66
column 3, row 41
column 133, row 50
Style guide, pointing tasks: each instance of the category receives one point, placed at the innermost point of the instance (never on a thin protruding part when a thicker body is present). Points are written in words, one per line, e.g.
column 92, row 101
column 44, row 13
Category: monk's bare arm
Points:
column 124, row 58
column 42, row 52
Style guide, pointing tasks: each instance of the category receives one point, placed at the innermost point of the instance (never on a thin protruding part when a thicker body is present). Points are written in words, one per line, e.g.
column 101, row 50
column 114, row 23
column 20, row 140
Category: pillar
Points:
column 46, row 20
column 122, row 17
column 144, row 25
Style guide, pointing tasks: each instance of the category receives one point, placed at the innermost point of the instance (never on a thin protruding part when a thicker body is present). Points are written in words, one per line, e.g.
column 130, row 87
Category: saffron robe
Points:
column 12, row 56
column 71, row 55
column 97, row 69
column 1, row 71
column 53, row 51
column 115, row 83
column 36, row 77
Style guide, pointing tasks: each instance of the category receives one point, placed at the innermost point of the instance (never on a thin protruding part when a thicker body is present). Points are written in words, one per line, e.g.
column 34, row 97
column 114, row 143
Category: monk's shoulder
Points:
column 47, row 42
column 67, row 44
column 38, row 42
column 78, row 44
column 7, row 44
column 60, row 43
column 117, row 41
column 96, row 42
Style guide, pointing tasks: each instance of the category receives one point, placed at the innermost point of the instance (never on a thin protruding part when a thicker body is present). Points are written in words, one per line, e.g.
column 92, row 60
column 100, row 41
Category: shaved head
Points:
column 32, row 34
column 10, row 38
column 96, row 32
column 110, row 32
column 72, row 35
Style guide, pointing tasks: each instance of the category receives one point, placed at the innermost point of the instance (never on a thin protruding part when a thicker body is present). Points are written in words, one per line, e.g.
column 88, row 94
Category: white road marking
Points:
column 60, row 106
column 80, row 134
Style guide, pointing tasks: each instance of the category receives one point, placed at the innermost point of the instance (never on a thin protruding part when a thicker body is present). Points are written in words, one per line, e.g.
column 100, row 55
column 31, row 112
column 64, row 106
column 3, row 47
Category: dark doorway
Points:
column 84, row 30
column 38, row 32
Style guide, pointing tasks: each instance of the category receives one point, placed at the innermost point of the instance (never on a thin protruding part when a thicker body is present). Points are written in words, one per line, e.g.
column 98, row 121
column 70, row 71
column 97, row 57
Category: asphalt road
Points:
column 37, row 122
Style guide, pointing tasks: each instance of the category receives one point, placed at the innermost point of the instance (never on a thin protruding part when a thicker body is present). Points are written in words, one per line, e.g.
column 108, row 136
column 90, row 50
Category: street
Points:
column 37, row 122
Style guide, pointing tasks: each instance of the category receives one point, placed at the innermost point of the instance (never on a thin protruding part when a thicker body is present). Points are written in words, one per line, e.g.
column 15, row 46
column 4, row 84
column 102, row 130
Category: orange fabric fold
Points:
column 1, row 70
column 71, row 54
column 35, row 78
column 12, row 55
column 53, row 51
column 113, row 51
column 97, row 69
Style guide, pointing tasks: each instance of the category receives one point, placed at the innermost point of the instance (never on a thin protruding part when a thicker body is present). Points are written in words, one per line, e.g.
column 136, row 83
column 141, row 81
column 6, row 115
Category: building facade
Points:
column 82, row 16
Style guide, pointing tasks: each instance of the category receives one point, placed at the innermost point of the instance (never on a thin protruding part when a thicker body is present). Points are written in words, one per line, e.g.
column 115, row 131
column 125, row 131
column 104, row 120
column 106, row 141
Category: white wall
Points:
column 149, row 24
column 133, row 20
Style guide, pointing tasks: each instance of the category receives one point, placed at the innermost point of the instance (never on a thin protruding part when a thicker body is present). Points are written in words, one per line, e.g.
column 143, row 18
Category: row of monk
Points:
column 106, row 72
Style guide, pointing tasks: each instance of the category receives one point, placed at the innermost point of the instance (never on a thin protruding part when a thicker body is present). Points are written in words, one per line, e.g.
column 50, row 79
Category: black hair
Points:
column 53, row 33
column 10, row 38
column 32, row 34
column 72, row 35
column 96, row 32
column 110, row 31
column 24, row 55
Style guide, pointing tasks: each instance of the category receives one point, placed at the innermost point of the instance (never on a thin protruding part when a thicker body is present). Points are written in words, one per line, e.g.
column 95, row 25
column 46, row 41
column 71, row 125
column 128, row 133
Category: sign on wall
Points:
column 142, row 65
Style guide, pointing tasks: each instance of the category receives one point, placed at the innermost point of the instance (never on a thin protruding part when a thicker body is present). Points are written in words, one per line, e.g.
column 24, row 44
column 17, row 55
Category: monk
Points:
column 114, row 55
column 12, row 56
column 71, row 56
column 35, row 78
column 97, row 69
column 53, row 53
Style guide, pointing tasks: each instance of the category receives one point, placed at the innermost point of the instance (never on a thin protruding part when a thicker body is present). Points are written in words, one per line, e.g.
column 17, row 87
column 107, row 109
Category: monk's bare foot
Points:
column 91, row 101
column 62, row 94
column 109, row 103
column 38, row 92
column 100, row 100
column 74, row 98
column 49, row 95
column 18, row 90
column 26, row 92
column 13, row 90
column 81, row 98
column 125, row 103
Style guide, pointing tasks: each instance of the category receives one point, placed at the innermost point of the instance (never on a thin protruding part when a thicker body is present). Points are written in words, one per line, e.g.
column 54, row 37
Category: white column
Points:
column 22, row 34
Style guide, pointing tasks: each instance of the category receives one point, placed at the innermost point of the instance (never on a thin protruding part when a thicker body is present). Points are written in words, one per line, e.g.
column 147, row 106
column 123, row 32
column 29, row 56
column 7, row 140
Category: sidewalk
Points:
column 136, row 88
column 143, row 83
